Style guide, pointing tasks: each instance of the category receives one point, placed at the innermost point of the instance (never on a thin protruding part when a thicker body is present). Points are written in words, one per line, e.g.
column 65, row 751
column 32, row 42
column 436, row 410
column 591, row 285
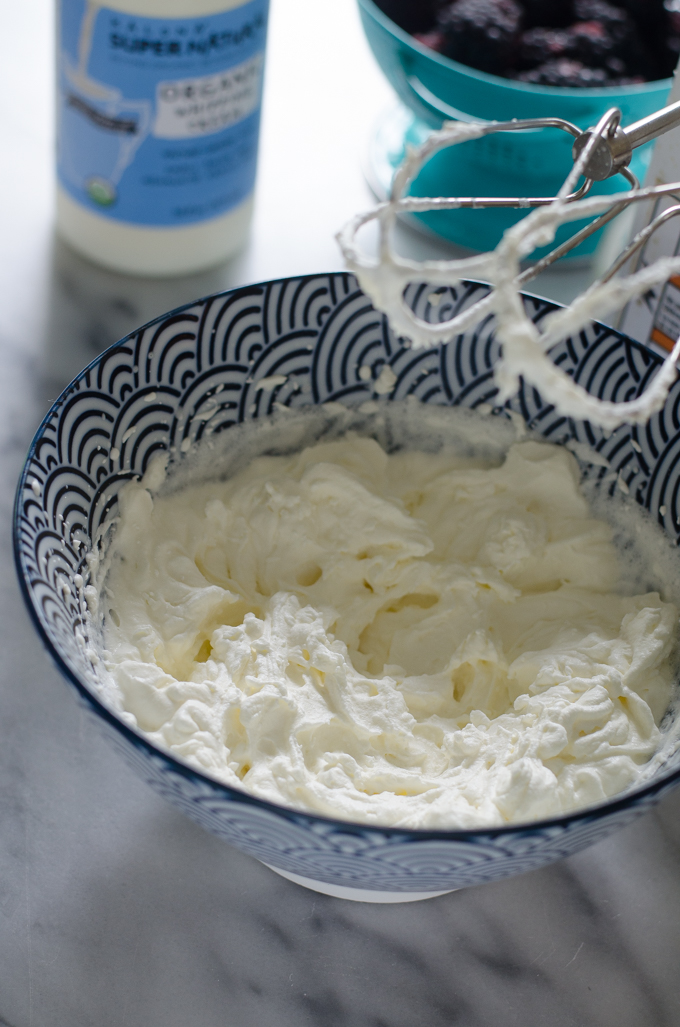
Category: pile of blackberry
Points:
column 576, row 43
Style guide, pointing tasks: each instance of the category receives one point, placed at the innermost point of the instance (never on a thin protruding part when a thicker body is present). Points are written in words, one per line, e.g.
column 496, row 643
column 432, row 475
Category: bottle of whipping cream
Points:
column 158, row 111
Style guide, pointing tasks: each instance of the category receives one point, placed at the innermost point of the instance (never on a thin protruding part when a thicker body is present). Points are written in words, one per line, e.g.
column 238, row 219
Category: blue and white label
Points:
column 158, row 119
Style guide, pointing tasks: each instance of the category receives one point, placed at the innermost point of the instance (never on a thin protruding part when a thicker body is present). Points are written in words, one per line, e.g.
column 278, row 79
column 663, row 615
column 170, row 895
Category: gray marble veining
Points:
column 117, row 910
column 114, row 909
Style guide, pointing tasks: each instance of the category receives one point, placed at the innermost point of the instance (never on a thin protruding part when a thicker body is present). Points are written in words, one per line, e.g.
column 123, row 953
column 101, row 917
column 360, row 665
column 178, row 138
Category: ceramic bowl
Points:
column 194, row 372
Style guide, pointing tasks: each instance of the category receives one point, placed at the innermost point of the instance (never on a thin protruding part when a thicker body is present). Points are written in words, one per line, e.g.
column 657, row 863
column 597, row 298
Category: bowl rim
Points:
column 139, row 740
column 599, row 92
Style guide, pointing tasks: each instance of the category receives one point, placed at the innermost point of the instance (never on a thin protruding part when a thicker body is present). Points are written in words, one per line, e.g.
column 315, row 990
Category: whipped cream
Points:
column 429, row 640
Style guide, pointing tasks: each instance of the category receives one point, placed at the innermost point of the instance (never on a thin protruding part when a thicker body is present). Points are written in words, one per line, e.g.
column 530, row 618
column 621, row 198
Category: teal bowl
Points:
column 535, row 162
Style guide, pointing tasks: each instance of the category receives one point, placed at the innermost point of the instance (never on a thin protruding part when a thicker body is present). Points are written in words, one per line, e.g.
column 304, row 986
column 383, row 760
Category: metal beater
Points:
column 598, row 153
column 602, row 151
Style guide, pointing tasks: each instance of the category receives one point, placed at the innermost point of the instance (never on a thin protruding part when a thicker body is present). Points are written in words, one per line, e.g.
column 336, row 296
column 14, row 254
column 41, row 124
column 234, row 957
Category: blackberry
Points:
column 482, row 33
column 591, row 43
column 655, row 25
column 564, row 72
column 620, row 75
column 626, row 43
column 586, row 42
column 615, row 21
column 540, row 44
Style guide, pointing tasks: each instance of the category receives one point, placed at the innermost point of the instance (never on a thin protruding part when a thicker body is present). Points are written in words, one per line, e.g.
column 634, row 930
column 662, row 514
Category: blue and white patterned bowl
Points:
column 196, row 371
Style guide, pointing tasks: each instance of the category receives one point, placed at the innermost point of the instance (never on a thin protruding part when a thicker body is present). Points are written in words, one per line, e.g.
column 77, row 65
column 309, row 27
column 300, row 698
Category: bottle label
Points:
column 158, row 119
column 654, row 317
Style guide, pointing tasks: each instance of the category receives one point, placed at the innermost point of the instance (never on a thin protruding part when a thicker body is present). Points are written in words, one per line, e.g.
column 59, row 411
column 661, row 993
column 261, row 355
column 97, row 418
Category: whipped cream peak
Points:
column 417, row 639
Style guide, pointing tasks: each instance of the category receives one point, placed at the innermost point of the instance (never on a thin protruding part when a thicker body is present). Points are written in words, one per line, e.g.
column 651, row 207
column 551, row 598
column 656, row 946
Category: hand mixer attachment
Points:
column 598, row 153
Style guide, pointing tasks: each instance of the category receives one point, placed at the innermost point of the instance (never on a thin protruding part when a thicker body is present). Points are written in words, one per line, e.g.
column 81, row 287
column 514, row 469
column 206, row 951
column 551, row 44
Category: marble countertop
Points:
column 114, row 909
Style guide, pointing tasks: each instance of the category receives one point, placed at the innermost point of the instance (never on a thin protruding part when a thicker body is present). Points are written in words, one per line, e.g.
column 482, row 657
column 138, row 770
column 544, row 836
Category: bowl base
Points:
column 339, row 891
